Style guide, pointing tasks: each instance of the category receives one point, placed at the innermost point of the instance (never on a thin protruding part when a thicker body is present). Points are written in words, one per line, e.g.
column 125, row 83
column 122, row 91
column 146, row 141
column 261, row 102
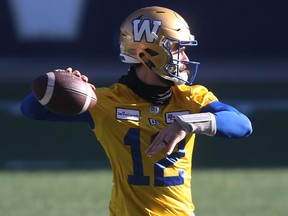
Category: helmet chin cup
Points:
column 173, row 68
column 185, row 77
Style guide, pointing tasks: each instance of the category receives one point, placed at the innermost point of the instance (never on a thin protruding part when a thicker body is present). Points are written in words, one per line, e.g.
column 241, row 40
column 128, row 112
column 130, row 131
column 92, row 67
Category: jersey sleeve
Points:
column 196, row 97
column 202, row 96
column 99, row 113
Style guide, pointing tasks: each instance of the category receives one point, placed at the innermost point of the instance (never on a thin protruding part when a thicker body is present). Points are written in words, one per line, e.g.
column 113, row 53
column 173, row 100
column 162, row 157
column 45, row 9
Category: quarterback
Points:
column 147, row 122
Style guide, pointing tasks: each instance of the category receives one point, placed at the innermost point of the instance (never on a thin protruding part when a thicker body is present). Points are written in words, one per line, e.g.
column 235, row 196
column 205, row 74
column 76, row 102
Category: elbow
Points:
column 33, row 110
column 243, row 128
column 27, row 112
column 247, row 128
column 233, row 125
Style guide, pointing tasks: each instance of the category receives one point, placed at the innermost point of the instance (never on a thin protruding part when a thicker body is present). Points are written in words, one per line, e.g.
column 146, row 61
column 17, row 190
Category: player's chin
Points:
column 184, row 75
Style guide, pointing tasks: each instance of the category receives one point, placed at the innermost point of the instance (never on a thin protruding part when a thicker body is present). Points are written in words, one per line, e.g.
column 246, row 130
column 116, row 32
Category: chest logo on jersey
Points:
column 128, row 114
column 170, row 116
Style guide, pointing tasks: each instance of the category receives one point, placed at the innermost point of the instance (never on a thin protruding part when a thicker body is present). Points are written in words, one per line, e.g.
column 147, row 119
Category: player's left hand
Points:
column 166, row 139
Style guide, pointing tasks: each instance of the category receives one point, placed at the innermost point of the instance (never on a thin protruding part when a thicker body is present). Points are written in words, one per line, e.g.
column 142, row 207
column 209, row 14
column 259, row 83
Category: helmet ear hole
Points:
column 151, row 52
column 146, row 61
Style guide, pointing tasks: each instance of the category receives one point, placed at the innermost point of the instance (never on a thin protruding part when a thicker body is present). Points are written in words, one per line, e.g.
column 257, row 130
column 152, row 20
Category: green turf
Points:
column 239, row 192
column 249, row 192
column 54, row 193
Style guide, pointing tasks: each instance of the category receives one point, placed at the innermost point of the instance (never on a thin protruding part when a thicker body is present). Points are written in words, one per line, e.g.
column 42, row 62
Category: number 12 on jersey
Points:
column 132, row 138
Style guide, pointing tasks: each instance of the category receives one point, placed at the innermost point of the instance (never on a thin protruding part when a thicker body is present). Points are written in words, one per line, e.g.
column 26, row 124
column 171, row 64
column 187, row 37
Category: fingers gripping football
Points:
column 78, row 74
column 65, row 92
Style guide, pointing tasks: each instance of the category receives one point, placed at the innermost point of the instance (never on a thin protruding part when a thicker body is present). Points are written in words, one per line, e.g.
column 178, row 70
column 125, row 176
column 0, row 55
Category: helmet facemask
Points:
column 179, row 71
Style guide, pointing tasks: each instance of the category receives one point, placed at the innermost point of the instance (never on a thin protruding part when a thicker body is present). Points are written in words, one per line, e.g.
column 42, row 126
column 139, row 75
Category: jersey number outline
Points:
column 132, row 139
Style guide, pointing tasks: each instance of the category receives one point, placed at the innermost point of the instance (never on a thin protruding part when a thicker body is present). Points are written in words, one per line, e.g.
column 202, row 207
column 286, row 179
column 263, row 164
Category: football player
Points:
column 147, row 122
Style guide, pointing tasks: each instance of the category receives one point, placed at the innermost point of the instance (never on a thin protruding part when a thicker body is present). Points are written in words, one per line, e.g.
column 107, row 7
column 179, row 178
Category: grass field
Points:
column 216, row 192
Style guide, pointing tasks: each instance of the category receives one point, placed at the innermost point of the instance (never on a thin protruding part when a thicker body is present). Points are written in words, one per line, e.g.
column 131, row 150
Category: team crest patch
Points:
column 128, row 114
column 170, row 116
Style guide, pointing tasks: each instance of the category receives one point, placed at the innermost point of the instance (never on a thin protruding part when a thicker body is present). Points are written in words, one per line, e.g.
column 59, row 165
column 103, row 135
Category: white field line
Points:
column 254, row 106
column 12, row 107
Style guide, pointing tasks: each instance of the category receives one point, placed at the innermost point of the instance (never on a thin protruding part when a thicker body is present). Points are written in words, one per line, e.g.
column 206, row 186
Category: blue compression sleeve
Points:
column 230, row 122
column 31, row 108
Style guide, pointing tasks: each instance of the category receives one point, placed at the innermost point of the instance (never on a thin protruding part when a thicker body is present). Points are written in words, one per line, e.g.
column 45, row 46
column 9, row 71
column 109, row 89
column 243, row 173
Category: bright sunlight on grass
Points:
column 231, row 192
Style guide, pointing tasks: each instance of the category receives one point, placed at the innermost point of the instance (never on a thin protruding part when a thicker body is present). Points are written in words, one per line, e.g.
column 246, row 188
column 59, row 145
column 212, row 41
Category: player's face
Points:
column 181, row 60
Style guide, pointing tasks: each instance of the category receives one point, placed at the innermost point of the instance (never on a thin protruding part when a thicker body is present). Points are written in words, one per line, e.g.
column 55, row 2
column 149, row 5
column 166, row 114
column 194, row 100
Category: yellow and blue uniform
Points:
column 125, row 125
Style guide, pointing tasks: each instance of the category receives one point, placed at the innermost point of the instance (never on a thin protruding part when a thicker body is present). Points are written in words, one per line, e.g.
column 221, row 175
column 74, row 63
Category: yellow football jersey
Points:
column 125, row 125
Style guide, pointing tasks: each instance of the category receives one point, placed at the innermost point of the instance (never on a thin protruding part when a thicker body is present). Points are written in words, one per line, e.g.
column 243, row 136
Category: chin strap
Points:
column 199, row 123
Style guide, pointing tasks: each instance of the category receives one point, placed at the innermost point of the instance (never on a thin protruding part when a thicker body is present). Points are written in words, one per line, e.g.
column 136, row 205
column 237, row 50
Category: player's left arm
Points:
column 218, row 119
column 230, row 122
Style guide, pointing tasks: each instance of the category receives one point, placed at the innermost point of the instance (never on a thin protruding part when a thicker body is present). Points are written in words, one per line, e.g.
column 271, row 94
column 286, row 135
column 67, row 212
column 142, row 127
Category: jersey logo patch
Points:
column 170, row 116
column 153, row 122
column 145, row 27
column 154, row 109
column 128, row 114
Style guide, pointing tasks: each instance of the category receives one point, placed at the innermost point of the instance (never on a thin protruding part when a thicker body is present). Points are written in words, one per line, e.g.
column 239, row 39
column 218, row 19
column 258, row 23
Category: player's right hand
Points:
column 78, row 74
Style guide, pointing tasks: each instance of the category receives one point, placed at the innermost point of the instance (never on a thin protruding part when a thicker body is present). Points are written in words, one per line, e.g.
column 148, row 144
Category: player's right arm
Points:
column 32, row 108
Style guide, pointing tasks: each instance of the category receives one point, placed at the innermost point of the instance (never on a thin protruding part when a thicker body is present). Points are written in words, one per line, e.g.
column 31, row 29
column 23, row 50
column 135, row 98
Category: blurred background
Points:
column 243, row 50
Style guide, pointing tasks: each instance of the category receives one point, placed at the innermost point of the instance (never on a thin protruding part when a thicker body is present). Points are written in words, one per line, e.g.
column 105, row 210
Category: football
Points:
column 63, row 93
